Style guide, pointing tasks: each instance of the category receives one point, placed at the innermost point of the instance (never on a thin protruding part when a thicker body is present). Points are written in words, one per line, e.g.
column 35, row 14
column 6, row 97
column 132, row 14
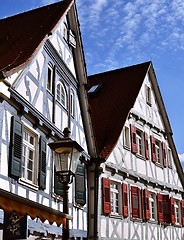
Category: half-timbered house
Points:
column 42, row 79
column 137, row 179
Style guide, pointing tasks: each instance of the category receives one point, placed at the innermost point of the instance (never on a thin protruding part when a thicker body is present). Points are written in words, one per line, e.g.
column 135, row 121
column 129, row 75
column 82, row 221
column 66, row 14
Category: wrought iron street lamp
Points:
column 66, row 154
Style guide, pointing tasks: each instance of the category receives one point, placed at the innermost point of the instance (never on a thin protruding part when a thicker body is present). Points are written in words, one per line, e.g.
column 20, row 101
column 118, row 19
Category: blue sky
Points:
column 120, row 33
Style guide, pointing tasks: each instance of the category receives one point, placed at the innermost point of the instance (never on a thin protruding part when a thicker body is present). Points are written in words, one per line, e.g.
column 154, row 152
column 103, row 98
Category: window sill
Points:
column 136, row 219
column 126, row 147
column 112, row 215
column 57, row 197
column 79, row 206
column 177, row 225
column 149, row 103
column 26, row 183
column 140, row 156
column 159, row 165
column 153, row 221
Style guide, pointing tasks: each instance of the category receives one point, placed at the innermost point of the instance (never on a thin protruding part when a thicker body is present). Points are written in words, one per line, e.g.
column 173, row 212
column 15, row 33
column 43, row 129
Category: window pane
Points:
column 29, row 156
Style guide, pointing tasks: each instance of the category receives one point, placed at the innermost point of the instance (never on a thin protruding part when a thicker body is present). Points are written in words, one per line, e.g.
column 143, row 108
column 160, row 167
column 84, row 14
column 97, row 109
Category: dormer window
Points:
column 148, row 95
column 61, row 94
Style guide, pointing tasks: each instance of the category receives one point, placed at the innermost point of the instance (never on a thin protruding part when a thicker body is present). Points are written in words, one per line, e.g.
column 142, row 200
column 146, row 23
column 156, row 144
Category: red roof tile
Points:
column 22, row 34
column 112, row 101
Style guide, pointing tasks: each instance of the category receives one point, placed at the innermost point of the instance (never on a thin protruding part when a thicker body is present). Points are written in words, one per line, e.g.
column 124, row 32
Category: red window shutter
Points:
column 153, row 149
column 125, row 199
column 146, row 202
column 182, row 212
column 146, row 145
column 164, row 154
column 166, row 208
column 145, row 205
column 135, row 202
column 133, row 136
column 173, row 220
column 160, row 208
column 106, row 196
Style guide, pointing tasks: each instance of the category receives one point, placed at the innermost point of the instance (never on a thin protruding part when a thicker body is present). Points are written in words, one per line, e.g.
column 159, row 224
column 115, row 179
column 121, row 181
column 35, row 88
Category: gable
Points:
column 21, row 35
column 145, row 148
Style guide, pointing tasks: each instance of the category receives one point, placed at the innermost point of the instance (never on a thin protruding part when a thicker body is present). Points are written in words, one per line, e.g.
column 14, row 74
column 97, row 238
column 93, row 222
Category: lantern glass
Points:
column 66, row 159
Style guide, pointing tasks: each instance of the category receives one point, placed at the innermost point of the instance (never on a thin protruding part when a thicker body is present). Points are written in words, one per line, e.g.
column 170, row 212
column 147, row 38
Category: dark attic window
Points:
column 94, row 89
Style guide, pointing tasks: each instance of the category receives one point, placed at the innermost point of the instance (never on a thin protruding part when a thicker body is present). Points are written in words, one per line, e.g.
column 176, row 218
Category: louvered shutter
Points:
column 182, row 212
column 125, row 199
column 164, row 154
column 42, row 163
column 166, row 208
column 58, row 187
column 106, row 196
column 133, row 139
column 80, row 186
column 146, row 202
column 143, row 205
column 135, row 202
column 173, row 220
column 160, row 208
column 15, row 150
column 153, row 149
column 146, row 145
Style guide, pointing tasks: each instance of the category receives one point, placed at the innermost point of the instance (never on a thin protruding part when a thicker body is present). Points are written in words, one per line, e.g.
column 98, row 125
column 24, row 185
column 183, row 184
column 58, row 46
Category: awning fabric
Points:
column 11, row 202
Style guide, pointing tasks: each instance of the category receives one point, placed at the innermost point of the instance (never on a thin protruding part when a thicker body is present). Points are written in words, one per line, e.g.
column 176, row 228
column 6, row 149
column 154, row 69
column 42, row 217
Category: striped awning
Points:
column 10, row 202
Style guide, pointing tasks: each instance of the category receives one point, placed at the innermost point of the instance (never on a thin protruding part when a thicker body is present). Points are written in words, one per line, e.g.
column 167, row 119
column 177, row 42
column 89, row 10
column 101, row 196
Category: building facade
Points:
column 42, row 78
column 138, row 174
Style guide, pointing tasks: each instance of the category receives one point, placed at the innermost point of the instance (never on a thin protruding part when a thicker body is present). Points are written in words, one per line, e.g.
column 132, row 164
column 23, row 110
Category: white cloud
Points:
column 181, row 157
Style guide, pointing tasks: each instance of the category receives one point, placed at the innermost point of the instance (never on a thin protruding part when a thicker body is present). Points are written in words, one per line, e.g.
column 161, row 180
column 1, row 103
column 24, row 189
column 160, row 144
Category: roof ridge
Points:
column 33, row 10
column 120, row 69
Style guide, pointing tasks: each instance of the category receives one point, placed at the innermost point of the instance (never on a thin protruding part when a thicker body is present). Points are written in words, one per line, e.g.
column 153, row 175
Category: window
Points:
column 114, row 191
column 158, row 151
column 50, row 78
column 126, row 137
column 72, row 103
column 27, row 158
column 30, row 153
column 61, row 94
column 112, row 197
column 148, row 95
column 177, row 212
column 169, row 157
column 140, row 142
column 152, row 206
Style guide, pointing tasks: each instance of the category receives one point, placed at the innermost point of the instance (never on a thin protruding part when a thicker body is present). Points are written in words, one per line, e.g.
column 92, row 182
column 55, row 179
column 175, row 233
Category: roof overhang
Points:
column 10, row 202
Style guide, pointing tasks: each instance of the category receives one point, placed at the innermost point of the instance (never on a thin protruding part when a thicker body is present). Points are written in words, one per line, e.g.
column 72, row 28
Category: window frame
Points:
column 148, row 95
column 61, row 94
column 153, row 206
column 50, row 74
column 140, row 142
column 35, row 148
column 72, row 103
column 126, row 137
column 169, row 157
column 115, row 197
column 177, row 214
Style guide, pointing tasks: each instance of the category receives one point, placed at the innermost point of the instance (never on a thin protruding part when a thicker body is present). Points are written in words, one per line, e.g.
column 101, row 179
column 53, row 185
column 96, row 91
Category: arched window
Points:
column 61, row 94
